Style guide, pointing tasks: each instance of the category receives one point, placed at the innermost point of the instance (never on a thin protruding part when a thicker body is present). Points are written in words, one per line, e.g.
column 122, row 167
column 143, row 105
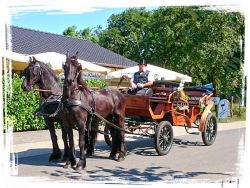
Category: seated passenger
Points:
column 141, row 81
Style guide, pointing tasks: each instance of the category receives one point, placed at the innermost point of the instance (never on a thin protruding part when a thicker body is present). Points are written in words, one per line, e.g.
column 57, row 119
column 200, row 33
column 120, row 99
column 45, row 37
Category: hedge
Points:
column 22, row 105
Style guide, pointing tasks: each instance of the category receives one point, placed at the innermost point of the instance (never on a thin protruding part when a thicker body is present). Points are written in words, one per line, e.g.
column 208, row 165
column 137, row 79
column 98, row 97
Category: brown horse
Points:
column 79, row 104
column 38, row 73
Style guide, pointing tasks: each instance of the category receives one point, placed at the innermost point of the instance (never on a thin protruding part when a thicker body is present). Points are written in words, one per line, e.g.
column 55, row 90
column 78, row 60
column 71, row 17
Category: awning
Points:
column 19, row 61
column 55, row 60
column 158, row 73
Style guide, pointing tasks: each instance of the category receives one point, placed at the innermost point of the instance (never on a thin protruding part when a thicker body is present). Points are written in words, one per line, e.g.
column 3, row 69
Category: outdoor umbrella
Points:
column 19, row 61
column 158, row 73
column 55, row 60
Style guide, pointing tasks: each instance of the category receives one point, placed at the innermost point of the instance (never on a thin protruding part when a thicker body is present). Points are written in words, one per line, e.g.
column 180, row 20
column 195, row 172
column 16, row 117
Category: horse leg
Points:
column 121, row 139
column 113, row 133
column 65, row 142
column 82, row 159
column 93, row 137
column 86, row 140
column 56, row 154
column 113, row 152
column 71, row 157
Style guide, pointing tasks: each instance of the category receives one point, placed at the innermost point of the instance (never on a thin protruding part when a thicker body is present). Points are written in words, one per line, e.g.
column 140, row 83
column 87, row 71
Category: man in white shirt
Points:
column 142, row 80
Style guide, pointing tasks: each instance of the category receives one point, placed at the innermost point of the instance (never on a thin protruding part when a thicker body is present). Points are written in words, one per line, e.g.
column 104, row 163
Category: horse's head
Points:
column 71, row 68
column 32, row 74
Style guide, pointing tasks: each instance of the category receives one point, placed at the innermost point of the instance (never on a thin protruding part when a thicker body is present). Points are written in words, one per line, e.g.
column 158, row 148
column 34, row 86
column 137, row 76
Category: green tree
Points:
column 87, row 33
column 71, row 31
column 126, row 33
column 201, row 43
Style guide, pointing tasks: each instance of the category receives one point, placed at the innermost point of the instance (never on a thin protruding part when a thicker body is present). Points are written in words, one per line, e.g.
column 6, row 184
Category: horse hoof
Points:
column 73, row 164
column 67, row 165
column 112, row 156
column 80, row 165
column 55, row 156
column 90, row 153
column 78, row 168
column 120, row 158
column 65, row 158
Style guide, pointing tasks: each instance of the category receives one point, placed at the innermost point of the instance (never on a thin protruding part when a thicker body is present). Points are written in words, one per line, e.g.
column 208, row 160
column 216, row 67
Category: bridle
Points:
column 34, row 82
column 75, row 77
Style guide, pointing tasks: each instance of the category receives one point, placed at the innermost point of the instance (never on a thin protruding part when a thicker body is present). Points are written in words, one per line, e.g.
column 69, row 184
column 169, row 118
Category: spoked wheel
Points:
column 210, row 132
column 163, row 138
column 107, row 136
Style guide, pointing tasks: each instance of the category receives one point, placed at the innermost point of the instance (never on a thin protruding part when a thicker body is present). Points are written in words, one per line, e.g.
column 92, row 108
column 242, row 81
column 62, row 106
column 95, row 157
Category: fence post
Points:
column 231, row 108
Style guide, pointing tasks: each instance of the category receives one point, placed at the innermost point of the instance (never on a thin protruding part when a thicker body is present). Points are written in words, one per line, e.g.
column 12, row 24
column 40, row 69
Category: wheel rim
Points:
column 211, row 130
column 165, row 138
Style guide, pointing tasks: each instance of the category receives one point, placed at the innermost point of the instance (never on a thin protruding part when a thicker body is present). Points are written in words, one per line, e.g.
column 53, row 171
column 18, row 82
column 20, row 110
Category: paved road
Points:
column 188, row 161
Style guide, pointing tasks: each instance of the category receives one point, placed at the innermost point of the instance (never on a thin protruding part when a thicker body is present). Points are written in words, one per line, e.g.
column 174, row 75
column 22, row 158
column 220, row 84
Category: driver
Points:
column 142, row 80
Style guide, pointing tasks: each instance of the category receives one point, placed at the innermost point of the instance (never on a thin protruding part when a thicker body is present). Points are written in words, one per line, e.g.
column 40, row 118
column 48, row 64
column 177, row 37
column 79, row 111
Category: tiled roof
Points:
column 27, row 41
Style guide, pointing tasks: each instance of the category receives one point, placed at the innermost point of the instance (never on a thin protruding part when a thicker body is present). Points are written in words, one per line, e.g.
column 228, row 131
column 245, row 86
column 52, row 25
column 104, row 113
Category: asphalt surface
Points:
column 188, row 161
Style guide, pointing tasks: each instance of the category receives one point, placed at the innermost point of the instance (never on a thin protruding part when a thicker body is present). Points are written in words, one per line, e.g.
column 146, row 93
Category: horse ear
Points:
column 67, row 54
column 77, row 54
column 34, row 59
column 63, row 64
column 79, row 66
column 30, row 59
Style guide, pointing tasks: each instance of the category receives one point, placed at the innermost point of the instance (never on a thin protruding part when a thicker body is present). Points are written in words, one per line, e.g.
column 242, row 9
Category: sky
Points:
column 55, row 16
column 58, row 23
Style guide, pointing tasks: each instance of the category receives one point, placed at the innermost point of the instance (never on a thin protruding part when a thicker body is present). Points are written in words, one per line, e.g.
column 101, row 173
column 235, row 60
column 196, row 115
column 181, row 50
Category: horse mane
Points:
column 83, row 86
column 82, row 83
column 46, row 67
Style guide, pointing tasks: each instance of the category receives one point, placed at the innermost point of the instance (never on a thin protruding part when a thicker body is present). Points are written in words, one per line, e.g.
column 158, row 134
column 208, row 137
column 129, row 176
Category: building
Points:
column 28, row 42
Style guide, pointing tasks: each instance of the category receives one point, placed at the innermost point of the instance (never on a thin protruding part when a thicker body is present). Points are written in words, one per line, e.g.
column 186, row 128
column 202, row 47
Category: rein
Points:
column 42, row 90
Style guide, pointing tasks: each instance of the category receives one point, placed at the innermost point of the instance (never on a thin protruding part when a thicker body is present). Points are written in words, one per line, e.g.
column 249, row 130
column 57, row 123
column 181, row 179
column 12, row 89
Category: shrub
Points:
column 239, row 112
column 98, row 83
column 21, row 106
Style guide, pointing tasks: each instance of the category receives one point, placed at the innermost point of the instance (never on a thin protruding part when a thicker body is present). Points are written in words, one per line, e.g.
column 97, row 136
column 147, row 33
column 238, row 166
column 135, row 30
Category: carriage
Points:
column 170, row 105
column 77, row 107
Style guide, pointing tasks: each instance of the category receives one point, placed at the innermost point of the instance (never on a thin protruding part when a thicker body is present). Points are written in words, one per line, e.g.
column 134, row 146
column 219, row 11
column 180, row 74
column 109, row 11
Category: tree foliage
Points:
column 201, row 43
column 126, row 33
column 87, row 33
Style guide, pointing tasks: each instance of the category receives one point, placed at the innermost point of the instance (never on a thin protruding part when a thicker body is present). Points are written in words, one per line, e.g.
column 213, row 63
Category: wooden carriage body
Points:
column 167, row 104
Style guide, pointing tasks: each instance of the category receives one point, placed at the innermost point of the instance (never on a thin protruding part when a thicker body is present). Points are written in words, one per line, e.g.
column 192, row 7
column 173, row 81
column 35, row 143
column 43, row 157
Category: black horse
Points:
column 79, row 105
column 38, row 73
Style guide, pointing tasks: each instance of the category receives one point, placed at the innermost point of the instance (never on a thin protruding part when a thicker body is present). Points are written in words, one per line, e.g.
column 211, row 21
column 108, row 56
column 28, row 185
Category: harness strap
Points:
column 72, row 102
column 69, row 103
column 46, row 102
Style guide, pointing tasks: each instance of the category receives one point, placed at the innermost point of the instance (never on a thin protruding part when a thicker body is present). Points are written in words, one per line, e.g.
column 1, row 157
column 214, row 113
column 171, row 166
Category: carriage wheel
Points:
column 210, row 132
column 107, row 136
column 163, row 138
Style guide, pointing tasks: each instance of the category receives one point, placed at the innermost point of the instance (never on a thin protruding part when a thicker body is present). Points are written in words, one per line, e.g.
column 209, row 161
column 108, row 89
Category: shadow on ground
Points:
column 143, row 146
column 139, row 146
column 132, row 175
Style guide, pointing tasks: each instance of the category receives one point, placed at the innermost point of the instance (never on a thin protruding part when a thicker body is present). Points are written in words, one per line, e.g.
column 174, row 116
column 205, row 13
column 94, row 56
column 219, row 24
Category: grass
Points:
column 234, row 118
column 239, row 114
